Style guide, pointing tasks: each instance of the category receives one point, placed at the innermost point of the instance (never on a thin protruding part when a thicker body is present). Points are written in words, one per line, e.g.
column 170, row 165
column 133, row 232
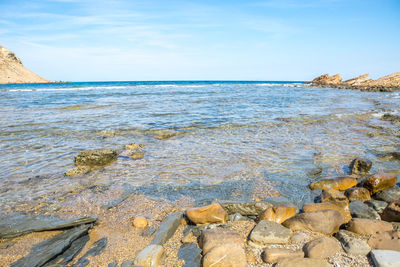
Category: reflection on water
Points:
column 223, row 139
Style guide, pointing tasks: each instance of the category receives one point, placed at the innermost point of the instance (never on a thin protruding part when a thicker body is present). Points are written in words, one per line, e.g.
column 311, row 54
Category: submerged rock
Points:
column 92, row 159
column 390, row 156
column 390, row 117
column 360, row 166
column 45, row 251
column 16, row 224
column 246, row 208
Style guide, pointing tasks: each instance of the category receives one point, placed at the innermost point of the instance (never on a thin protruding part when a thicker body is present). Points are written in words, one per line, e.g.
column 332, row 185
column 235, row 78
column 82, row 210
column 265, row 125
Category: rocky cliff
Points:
column 13, row 71
column 363, row 82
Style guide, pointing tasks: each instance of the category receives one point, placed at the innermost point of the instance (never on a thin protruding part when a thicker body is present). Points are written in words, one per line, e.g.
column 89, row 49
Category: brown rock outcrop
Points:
column 326, row 79
column 359, row 80
column 13, row 71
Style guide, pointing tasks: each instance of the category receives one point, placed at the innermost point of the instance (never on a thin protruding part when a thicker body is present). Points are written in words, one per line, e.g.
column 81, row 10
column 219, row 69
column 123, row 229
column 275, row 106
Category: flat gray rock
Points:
column 167, row 228
column 377, row 205
column 386, row 258
column 191, row 254
column 45, row 251
column 360, row 210
column 70, row 253
column 246, row 208
column 268, row 232
column 351, row 244
column 97, row 249
column 389, row 195
column 17, row 224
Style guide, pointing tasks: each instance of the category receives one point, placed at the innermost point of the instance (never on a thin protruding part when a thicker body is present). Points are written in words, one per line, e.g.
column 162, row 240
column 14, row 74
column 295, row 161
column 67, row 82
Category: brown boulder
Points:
column 333, row 195
column 368, row 226
column 341, row 206
column 378, row 182
column 339, row 183
column 321, row 248
column 323, row 221
column 304, row 262
column 218, row 237
column 213, row 213
column 228, row 255
column 386, row 240
column 278, row 214
column 272, row 255
column 392, row 212
column 358, row 193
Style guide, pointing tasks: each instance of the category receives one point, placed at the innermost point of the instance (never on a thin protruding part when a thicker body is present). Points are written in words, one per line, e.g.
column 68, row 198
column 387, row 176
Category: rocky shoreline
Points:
column 363, row 82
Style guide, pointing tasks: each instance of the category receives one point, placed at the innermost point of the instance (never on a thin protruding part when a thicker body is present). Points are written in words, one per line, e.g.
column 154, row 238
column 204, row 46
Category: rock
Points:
column 389, row 195
column 385, row 240
column 127, row 263
column 388, row 80
column 321, row 248
column 97, row 249
column 340, row 183
column 281, row 201
column 378, row 182
column 246, row 208
column 359, row 80
column 368, row 226
column 392, row 212
column 322, row 221
column 360, row 210
column 113, row 264
column 358, row 193
column 213, row 213
column 304, row 262
column 390, row 117
column 218, row 237
column 167, row 228
column 134, row 146
column 188, row 237
column 150, row 256
column 69, row 254
column 360, row 166
column 267, row 232
column 136, row 155
column 326, row 79
column 333, row 195
column 77, row 171
column 16, row 224
column 237, row 217
column 191, row 254
column 95, row 158
column 149, row 231
column 272, row 255
column 385, row 258
column 140, row 222
column 228, row 255
column 299, row 237
column 390, row 156
column 49, row 249
column 377, row 205
column 351, row 244
column 341, row 206
column 278, row 214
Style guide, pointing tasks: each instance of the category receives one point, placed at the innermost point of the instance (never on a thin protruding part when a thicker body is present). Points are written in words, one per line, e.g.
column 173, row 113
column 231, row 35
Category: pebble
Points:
column 140, row 222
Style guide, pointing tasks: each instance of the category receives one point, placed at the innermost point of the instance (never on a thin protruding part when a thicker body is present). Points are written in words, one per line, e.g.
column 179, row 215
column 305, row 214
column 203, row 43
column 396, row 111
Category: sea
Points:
column 204, row 140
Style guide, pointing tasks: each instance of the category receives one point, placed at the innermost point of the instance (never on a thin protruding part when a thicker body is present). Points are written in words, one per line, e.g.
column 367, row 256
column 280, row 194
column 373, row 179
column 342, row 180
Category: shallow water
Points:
column 227, row 140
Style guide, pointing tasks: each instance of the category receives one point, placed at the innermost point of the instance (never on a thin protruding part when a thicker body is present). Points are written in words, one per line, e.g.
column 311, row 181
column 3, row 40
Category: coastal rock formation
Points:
column 13, row 71
column 363, row 82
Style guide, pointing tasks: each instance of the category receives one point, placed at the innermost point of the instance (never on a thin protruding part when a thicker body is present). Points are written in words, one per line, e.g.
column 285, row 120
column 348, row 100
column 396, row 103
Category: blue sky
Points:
column 99, row 40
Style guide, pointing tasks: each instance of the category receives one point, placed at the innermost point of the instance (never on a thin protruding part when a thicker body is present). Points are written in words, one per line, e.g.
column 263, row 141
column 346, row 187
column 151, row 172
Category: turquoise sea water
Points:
column 226, row 140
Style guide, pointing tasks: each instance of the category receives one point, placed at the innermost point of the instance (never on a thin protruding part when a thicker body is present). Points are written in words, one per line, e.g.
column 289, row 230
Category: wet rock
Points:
column 378, row 182
column 16, row 224
column 339, row 183
column 368, row 226
column 281, row 201
column 360, row 210
column 228, row 255
column 385, row 258
column 167, row 228
column 390, row 117
column 218, row 237
column 267, row 232
column 191, row 254
column 351, row 244
column 47, row 250
column 389, row 195
column 392, row 212
column 238, row 217
column 390, row 156
column 341, row 206
column 304, row 262
column 97, row 249
column 377, row 205
column 321, row 248
column 323, row 221
column 332, row 195
column 358, row 193
column 360, row 166
column 150, row 256
column 213, row 213
column 246, row 208
column 140, row 222
column 77, row 171
column 278, row 214
column 95, row 158
column 127, row 263
column 386, row 240
column 272, row 255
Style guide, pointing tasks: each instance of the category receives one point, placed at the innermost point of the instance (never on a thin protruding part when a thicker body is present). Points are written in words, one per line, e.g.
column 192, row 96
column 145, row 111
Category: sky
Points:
column 120, row 40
